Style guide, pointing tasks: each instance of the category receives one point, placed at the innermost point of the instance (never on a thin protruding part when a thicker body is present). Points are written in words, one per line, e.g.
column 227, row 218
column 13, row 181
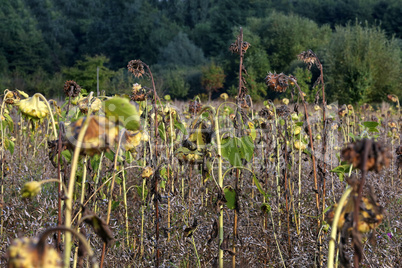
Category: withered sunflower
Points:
column 308, row 57
column 96, row 104
column 26, row 252
column 131, row 139
column 12, row 97
column 136, row 67
column 378, row 156
column 71, row 89
column 277, row 82
column 33, row 107
column 101, row 135
column 194, row 107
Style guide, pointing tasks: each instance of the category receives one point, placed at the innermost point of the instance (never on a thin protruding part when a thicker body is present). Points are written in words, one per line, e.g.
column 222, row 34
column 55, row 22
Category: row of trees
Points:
column 45, row 42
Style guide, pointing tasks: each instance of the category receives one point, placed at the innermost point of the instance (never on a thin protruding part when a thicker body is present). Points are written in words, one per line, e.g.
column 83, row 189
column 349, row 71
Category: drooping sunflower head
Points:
column 28, row 252
column 12, row 97
column 378, row 155
column 83, row 105
column 131, row 139
column 136, row 67
column 277, row 82
column 101, row 135
column 138, row 93
column 308, row 57
column 33, row 107
column 392, row 98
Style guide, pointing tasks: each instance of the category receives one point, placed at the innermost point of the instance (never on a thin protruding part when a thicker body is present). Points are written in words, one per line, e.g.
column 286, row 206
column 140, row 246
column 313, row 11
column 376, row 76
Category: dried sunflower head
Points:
column 31, row 189
column 392, row 98
column 139, row 93
column 343, row 111
column 194, row 107
column 266, row 113
column 378, row 156
column 27, row 253
column 234, row 48
column 131, row 139
column 147, row 172
column 71, row 89
column 308, row 57
column 96, row 104
column 33, row 107
column 101, row 135
column 136, row 67
column 283, row 111
column 12, row 97
column 370, row 215
column 277, row 82
column 398, row 150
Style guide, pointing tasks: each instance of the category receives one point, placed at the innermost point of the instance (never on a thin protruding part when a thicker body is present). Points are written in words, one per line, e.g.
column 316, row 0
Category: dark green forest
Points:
column 46, row 42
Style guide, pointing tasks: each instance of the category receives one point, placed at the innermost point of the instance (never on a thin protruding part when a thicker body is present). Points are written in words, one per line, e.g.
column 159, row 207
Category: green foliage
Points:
column 212, row 78
column 341, row 170
column 361, row 65
column 23, row 47
column 175, row 83
column 283, row 37
column 235, row 149
column 84, row 73
column 42, row 37
column 303, row 77
column 181, row 51
column 121, row 110
column 230, row 196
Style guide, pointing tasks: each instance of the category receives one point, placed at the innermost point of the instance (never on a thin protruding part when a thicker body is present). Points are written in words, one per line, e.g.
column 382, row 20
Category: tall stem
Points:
column 109, row 206
column 363, row 168
column 70, row 191
column 310, row 133
column 220, row 182
column 331, row 248
column 50, row 112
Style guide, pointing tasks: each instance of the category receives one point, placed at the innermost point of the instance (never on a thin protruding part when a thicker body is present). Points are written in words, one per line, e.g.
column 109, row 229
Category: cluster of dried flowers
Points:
column 277, row 82
column 378, row 156
column 234, row 48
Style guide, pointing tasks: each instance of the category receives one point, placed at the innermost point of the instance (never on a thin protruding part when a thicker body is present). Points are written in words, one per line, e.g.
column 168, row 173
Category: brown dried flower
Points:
column 392, row 98
column 194, row 107
column 378, row 156
column 277, row 82
column 234, row 48
column 71, row 89
column 12, row 97
column 308, row 57
column 398, row 150
column 139, row 93
column 370, row 213
column 30, row 252
column 136, row 67
column 283, row 110
column 266, row 113
column 343, row 111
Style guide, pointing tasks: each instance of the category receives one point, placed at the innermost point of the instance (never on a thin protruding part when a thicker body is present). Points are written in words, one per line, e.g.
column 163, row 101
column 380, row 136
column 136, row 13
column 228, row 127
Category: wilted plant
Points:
column 277, row 82
column 377, row 158
column 35, row 252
